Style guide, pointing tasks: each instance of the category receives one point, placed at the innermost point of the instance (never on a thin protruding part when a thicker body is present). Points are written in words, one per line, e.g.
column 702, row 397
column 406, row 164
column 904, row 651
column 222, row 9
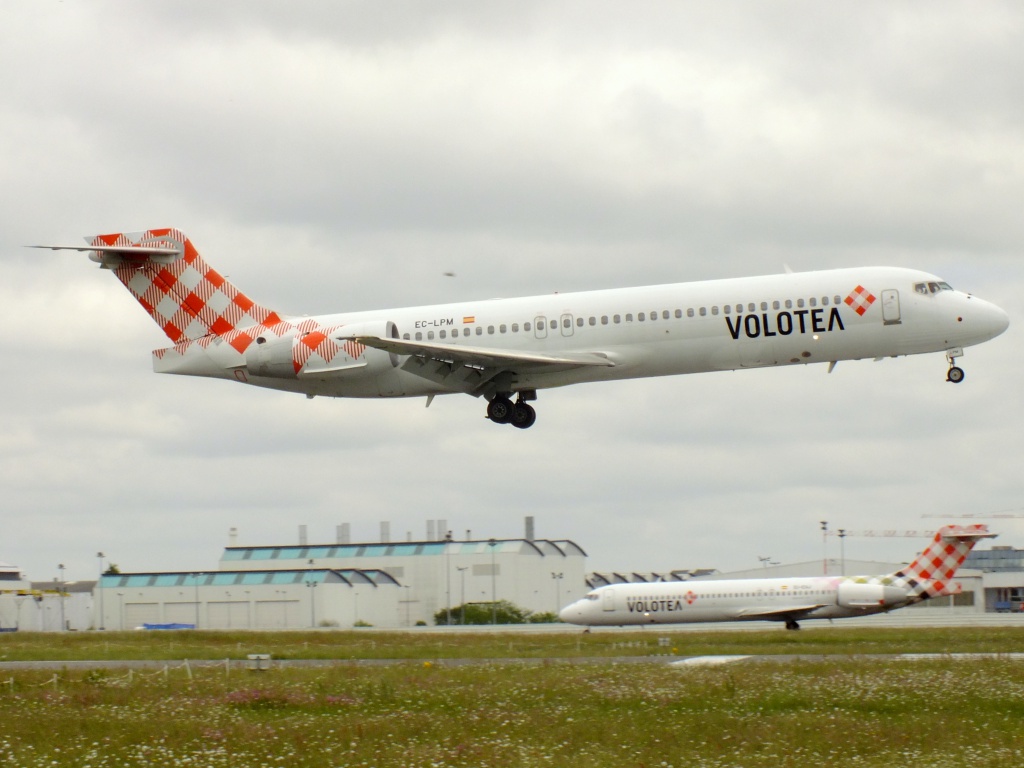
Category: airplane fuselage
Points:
column 717, row 325
column 733, row 600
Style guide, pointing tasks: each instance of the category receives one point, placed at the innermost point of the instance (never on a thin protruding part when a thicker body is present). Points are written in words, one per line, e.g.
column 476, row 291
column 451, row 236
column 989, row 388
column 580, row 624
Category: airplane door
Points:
column 891, row 307
column 608, row 600
column 540, row 327
column 567, row 325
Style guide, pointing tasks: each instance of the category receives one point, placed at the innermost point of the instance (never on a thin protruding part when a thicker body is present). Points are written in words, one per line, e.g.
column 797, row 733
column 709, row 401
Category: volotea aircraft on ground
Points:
column 786, row 600
column 505, row 350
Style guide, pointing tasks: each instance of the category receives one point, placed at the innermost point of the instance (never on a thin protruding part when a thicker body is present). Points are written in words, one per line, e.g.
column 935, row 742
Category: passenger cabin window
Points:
column 813, row 301
column 430, row 334
column 800, row 303
column 579, row 322
column 515, row 327
column 640, row 317
column 502, row 328
column 679, row 313
column 442, row 334
column 689, row 312
column 629, row 317
column 789, row 303
column 540, row 325
column 616, row 319
column 593, row 320
column 604, row 319
column 703, row 311
column 727, row 309
column 479, row 330
column 526, row 327
column 776, row 305
column 465, row 331
column 714, row 310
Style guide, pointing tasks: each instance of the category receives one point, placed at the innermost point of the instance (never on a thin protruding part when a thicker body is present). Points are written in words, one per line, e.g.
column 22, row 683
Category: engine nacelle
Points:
column 321, row 352
column 853, row 595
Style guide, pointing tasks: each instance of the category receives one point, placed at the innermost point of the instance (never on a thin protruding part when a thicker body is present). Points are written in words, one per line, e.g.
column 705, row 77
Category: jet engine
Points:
column 321, row 352
column 853, row 595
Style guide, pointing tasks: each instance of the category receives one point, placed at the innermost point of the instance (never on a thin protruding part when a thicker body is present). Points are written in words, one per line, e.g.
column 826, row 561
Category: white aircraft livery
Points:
column 502, row 349
column 787, row 600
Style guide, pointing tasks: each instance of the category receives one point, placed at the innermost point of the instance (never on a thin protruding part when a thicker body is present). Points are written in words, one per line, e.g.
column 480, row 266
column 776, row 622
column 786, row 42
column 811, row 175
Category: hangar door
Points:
column 277, row 614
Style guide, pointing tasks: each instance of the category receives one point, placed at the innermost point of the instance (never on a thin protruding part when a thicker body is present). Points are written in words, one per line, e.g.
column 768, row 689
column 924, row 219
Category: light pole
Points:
column 448, row 579
column 312, row 600
column 462, row 604
column 195, row 580
column 842, row 551
column 557, row 577
column 120, row 611
column 63, row 625
column 408, row 621
column 824, row 547
column 494, row 605
column 99, row 588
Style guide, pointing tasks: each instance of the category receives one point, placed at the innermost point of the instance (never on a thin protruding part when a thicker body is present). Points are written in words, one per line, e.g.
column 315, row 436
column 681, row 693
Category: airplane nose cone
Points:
column 984, row 320
column 995, row 320
column 569, row 614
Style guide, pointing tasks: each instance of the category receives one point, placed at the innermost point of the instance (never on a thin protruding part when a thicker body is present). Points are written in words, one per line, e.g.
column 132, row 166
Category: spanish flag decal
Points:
column 468, row 319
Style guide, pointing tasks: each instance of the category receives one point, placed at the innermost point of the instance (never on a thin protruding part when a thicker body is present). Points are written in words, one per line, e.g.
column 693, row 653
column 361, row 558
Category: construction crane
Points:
column 981, row 515
column 842, row 533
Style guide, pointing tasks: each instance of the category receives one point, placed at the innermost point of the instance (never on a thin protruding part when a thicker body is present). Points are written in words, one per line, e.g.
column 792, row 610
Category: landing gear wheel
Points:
column 955, row 375
column 523, row 415
column 500, row 410
column 790, row 624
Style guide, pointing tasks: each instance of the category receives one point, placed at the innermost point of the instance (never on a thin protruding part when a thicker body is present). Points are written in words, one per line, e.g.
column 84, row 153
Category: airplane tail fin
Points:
column 931, row 573
column 174, row 284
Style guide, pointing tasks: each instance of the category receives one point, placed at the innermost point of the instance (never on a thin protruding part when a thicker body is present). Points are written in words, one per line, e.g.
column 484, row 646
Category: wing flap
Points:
column 789, row 612
column 484, row 357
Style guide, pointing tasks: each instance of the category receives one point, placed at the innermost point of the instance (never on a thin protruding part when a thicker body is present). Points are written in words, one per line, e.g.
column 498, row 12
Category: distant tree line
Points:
column 501, row 612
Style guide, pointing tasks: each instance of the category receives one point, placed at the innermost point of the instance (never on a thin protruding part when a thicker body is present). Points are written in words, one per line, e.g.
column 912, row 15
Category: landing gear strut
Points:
column 520, row 414
column 955, row 374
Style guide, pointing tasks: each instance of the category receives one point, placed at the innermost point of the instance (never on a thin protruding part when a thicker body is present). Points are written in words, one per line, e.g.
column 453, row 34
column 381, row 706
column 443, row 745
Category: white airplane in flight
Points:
column 502, row 349
column 788, row 600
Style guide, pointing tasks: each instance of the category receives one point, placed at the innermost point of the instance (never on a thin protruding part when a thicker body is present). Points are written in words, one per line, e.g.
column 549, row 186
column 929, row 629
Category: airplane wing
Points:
column 470, row 369
column 790, row 612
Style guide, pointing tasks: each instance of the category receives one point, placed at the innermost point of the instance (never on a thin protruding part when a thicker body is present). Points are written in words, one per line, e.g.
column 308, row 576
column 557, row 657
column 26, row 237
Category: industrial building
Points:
column 344, row 584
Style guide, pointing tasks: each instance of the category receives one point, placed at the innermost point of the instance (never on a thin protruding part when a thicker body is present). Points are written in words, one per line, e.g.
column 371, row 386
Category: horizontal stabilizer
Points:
column 121, row 250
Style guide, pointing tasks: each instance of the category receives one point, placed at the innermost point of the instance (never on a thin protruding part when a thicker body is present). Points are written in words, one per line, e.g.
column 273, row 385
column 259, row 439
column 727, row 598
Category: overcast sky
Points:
column 339, row 156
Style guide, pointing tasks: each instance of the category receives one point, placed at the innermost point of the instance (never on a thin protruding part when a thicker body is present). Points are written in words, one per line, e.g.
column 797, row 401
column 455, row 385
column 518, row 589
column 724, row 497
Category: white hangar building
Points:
column 382, row 584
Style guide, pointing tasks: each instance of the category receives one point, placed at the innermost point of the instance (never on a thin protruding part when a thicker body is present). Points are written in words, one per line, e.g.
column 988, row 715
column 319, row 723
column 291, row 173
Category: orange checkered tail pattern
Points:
column 178, row 289
column 931, row 574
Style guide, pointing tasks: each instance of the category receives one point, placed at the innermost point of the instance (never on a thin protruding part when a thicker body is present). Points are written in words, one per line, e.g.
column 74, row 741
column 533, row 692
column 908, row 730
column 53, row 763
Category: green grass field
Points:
column 839, row 708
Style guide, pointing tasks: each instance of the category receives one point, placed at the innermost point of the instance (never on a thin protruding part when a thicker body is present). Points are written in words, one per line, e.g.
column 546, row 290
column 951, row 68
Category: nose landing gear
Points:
column 954, row 374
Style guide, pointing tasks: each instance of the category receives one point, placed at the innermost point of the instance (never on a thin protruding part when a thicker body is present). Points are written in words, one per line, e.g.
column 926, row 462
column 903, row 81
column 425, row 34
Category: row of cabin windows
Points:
column 723, row 595
column 664, row 314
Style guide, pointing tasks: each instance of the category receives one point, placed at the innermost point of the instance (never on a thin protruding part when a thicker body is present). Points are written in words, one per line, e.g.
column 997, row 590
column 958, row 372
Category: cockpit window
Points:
column 926, row 289
column 592, row 596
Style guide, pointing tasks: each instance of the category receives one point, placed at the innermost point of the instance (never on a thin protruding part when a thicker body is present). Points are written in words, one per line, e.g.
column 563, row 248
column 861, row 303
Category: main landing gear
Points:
column 955, row 374
column 520, row 414
column 791, row 624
